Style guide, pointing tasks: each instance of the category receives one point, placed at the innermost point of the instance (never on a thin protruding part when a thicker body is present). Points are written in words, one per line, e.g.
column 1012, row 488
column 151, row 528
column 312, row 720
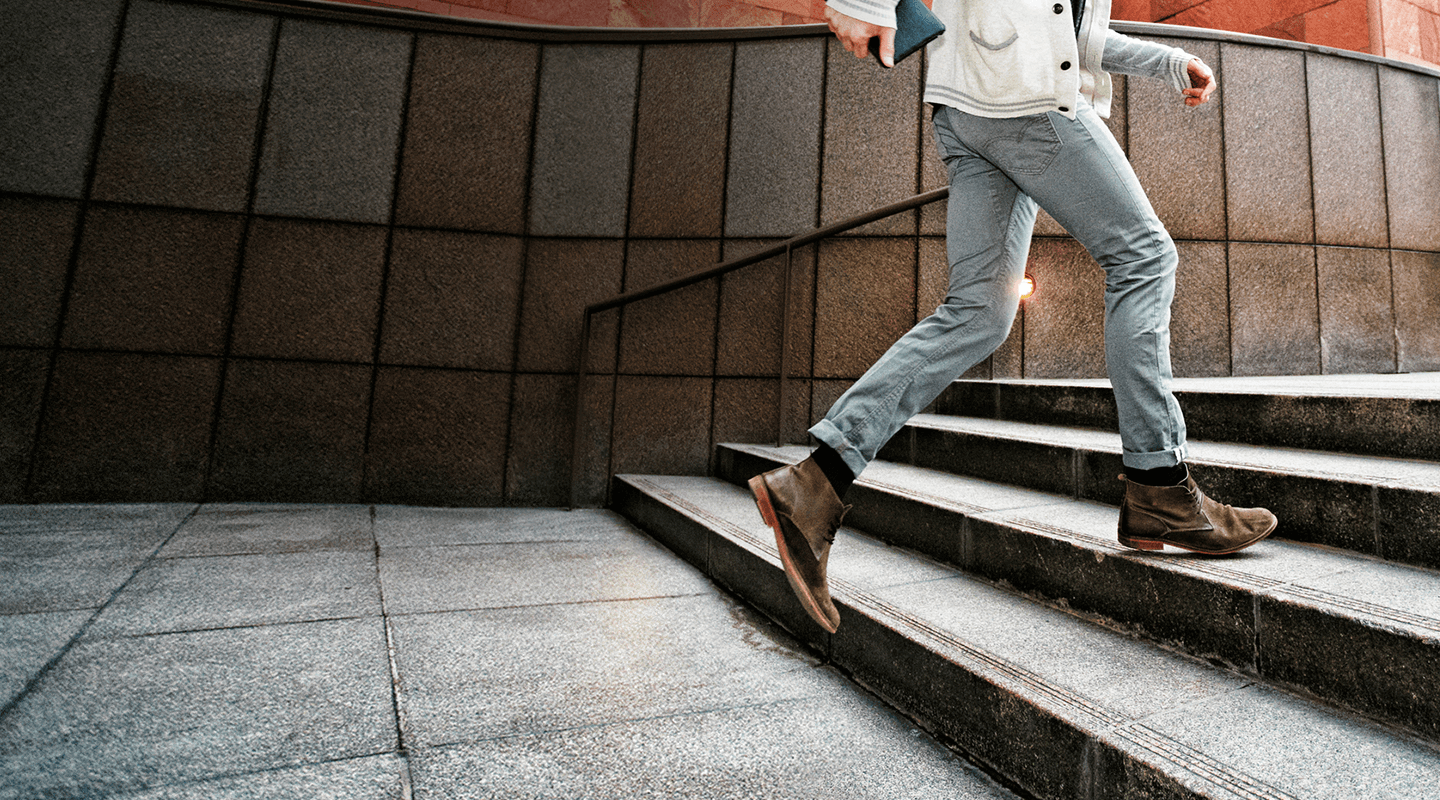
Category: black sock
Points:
column 1163, row 476
column 835, row 469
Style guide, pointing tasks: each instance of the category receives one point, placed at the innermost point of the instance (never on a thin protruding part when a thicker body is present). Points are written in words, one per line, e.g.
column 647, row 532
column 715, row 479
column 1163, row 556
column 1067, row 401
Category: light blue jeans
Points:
column 999, row 170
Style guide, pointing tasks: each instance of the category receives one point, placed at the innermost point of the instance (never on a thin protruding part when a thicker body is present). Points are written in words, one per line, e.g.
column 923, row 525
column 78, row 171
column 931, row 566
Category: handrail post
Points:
column 784, row 346
column 578, row 433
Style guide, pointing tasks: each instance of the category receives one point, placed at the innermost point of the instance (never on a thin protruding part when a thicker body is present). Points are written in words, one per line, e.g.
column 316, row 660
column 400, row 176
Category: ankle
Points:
column 837, row 472
column 1162, row 476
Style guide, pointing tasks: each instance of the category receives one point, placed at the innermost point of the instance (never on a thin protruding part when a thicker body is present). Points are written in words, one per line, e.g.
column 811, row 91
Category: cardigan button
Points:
column 1064, row 65
column 1059, row 9
column 1064, row 108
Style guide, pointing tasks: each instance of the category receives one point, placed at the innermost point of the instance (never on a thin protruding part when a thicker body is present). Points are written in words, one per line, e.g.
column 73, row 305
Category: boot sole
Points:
column 1156, row 544
column 802, row 592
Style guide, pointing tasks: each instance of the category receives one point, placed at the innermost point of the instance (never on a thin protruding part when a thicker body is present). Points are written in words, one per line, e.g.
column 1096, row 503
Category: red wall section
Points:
column 1407, row 29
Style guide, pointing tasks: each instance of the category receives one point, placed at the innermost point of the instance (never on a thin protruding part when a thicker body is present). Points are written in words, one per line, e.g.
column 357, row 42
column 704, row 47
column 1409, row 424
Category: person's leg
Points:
column 1091, row 190
column 988, row 230
column 988, row 227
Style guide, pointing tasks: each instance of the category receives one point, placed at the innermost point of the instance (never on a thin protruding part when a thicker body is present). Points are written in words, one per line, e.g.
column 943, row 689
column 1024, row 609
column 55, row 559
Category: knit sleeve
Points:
column 1129, row 56
column 877, row 12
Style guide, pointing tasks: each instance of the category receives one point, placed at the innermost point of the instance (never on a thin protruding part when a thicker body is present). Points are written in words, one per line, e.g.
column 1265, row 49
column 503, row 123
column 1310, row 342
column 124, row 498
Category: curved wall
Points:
column 316, row 253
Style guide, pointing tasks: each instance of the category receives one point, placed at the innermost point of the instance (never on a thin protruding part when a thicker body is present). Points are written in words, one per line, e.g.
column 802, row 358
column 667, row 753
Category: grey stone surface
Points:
column 380, row 777
column 1410, row 119
column 239, row 529
column 184, row 107
column 420, row 580
column 662, row 425
column 29, row 641
column 409, row 526
column 437, row 436
column 1417, row 310
column 36, row 237
column 1345, row 146
column 68, row 570
column 772, row 186
column 456, row 663
column 1165, row 133
column 750, row 312
column 22, row 383
column 191, row 594
column 57, row 66
column 674, row 333
column 290, row 432
column 1199, row 324
column 1065, row 318
column 580, row 180
column 452, row 300
column 1274, row 321
column 127, row 428
column 789, row 748
column 1267, row 145
column 1409, row 526
column 677, row 688
column 680, row 140
column 118, row 714
column 333, row 125
column 1357, row 318
column 309, row 290
column 467, row 136
column 870, row 139
column 562, row 276
column 1266, row 733
column 153, row 280
column 864, row 301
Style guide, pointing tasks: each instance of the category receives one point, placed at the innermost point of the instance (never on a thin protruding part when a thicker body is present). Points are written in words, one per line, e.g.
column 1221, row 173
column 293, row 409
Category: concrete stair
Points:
column 983, row 593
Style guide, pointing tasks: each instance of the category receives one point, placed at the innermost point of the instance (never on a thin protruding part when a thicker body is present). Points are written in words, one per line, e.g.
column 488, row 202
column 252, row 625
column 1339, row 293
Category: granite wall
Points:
column 328, row 254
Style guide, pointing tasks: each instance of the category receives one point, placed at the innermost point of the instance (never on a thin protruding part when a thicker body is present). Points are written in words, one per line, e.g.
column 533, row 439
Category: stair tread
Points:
column 1370, row 470
column 1218, row 732
column 1339, row 581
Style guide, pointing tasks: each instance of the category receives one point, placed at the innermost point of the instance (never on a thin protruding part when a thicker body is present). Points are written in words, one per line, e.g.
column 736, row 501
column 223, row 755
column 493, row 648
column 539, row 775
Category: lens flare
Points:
column 1027, row 287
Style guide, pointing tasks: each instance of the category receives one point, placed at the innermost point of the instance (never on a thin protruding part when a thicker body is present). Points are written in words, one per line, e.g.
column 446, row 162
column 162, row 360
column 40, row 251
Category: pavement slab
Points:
column 237, row 651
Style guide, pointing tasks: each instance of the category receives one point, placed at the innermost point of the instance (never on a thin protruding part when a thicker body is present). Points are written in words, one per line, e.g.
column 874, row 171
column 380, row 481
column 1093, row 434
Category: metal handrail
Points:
column 786, row 247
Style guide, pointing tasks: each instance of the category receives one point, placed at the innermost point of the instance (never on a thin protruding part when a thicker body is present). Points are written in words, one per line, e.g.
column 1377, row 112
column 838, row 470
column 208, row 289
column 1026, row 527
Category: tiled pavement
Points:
column 236, row 651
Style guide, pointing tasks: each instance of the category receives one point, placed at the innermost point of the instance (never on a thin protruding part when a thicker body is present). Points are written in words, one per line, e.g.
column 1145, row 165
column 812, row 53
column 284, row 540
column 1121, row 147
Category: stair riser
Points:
column 1396, row 524
column 1048, row 754
column 1384, row 673
column 1207, row 617
column 1397, row 427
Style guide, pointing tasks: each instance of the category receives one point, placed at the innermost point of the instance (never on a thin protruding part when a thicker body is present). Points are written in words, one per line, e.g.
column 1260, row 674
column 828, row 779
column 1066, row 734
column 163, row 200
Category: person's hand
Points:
column 855, row 36
column 1202, row 83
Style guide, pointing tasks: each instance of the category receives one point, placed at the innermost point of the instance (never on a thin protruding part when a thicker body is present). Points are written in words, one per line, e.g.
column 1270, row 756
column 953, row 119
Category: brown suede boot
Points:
column 1182, row 516
column 798, row 503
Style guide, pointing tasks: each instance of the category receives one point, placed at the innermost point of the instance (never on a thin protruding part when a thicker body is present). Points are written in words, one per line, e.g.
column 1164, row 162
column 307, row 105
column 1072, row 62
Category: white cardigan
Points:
column 1010, row 58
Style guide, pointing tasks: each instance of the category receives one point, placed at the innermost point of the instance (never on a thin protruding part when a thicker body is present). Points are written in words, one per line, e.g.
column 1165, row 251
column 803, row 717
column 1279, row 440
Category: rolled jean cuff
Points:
column 1156, row 460
column 826, row 432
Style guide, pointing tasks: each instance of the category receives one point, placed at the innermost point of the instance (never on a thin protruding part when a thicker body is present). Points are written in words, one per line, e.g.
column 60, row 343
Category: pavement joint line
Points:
column 397, row 708
column 486, row 544
column 558, row 604
column 242, row 627
column 45, row 669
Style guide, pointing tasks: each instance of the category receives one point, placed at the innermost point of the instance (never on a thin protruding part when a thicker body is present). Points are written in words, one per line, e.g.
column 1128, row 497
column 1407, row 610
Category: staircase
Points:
column 982, row 591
